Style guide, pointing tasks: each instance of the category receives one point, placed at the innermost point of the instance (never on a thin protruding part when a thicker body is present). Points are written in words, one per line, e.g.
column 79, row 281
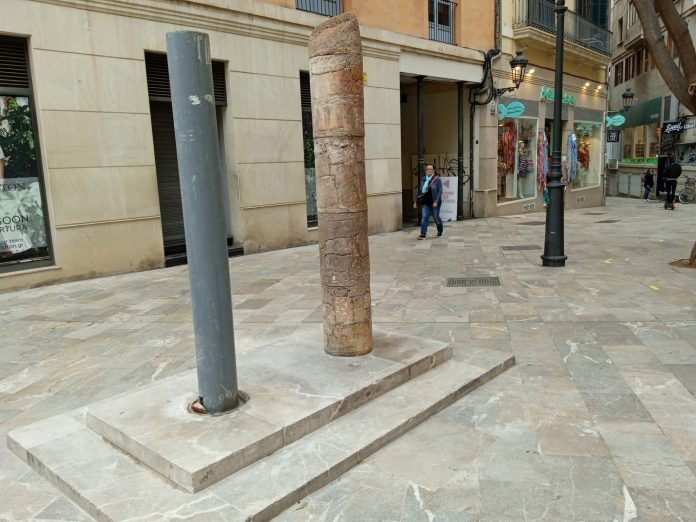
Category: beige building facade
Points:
column 516, row 130
column 88, row 164
column 101, row 131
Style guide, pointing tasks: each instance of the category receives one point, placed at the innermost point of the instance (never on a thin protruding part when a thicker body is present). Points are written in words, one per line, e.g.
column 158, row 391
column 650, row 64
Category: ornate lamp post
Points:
column 518, row 65
column 553, row 239
column 627, row 97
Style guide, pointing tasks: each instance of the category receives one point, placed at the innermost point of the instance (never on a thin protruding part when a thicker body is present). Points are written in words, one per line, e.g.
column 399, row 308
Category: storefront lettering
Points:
column 8, row 187
column 9, row 220
column 514, row 109
column 548, row 94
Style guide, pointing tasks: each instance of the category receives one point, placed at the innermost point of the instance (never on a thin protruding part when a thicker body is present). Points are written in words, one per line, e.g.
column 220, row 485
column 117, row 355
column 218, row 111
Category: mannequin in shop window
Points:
column 524, row 166
column 584, row 161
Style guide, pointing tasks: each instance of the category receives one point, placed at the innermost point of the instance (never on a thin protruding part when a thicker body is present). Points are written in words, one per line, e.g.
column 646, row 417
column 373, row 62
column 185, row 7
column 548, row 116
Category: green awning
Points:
column 643, row 113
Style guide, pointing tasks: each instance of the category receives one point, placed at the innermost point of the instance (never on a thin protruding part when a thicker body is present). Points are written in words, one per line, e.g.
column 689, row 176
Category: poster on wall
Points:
column 448, row 211
column 22, row 224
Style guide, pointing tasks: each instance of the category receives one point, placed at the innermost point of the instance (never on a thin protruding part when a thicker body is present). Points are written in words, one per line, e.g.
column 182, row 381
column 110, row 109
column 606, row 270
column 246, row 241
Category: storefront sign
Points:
column 512, row 110
column 21, row 216
column 677, row 126
column 613, row 136
column 448, row 210
column 615, row 121
column 548, row 94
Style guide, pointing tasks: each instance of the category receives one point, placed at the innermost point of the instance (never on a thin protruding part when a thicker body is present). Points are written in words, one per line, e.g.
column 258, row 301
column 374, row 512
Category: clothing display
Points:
column 572, row 156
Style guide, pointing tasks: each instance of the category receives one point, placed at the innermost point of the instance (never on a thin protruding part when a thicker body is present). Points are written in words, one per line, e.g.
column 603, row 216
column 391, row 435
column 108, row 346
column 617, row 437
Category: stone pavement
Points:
column 596, row 422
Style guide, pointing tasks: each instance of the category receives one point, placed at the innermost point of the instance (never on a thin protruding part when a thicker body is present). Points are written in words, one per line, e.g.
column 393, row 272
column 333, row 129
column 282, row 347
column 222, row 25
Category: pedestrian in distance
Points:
column 672, row 173
column 648, row 184
column 429, row 197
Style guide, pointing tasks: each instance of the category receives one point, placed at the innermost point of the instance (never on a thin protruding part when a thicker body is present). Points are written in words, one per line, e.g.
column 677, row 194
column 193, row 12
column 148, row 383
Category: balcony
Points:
column 541, row 15
column 322, row 7
column 441, row 20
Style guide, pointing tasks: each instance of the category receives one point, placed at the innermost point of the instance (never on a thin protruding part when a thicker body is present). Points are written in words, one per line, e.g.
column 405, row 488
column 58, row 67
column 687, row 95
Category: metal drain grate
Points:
column 608, row 221
column 521, row 247
column 473, row 281
column 533, row 223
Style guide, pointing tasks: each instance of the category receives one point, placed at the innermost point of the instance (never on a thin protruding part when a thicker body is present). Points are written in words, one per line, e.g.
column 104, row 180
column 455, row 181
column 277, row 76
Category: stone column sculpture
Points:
column 336, row 81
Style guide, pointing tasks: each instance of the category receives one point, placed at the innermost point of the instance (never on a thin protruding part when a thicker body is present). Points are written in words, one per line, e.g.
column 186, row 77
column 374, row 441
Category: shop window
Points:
column 589, row 141
column 24, row 238
column 652, row 139
column 517, row 154
column 618, row 73
column 627, row 145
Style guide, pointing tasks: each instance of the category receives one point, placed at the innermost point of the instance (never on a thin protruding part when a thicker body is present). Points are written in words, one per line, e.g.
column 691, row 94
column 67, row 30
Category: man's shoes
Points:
column 421, row 236
column 439, row 234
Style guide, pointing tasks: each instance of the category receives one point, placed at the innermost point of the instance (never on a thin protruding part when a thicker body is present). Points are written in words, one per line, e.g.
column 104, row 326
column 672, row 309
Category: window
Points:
column 322, row 7
column 517, row 152
column 620, row 31
column 24, row 238
column 589, row 141
column 632, row 15
column 640, row 57
column 629, row 67
column 308, row 147
column 618, row 74
column 441, row 20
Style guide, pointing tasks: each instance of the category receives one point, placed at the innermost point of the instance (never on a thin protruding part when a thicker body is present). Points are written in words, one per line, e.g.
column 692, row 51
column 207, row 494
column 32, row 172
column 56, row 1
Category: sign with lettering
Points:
column 512, row 110
column 613, row 136
column 448, row 210
column 677, row 126
column 548, row 94
column 615, row 121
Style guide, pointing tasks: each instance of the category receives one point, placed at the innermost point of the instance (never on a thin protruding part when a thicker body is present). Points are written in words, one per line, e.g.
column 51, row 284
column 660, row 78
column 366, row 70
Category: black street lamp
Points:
column 553, row 239
column 627, row 99
column 518, row 65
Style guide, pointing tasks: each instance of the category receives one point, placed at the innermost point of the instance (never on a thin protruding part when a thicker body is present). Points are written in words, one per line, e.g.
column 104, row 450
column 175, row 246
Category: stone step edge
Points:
column 315, row 483
column 294, row 492
column 285, row 435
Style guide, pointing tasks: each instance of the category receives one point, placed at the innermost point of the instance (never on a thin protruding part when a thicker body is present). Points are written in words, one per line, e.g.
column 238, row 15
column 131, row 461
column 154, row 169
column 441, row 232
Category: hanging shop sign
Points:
column 613, row 136
column 547, row 94
column 511, row 110
column 615, row 121
column 671, row 127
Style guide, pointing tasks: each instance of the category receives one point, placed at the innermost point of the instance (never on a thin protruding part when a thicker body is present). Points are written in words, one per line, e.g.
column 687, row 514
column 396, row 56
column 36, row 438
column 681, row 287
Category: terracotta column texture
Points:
column 336, row 81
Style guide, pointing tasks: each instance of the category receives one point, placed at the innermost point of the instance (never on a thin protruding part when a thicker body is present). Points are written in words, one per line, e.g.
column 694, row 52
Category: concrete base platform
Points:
column 294, row 389
column 260, row 460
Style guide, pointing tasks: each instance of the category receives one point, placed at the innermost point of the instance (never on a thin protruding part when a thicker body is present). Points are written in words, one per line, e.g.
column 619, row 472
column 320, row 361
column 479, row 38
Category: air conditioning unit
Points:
column 613, row 163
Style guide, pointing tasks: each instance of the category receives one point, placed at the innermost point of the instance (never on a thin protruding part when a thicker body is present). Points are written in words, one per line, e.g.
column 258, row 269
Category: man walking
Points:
column 430, row 198
column 672, row 172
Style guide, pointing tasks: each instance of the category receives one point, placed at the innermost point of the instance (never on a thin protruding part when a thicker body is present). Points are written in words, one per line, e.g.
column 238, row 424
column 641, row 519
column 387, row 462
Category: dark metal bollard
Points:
column 198, row 157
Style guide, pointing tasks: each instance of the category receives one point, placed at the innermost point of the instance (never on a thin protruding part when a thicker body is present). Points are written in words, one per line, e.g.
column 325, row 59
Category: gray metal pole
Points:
column 553, row 238
column 460, row 151
column 198, row 155
column 420, row 136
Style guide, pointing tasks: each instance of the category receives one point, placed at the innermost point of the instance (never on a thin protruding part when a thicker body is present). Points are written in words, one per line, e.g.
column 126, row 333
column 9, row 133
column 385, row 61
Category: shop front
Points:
column 525, row 140
column 24, row 237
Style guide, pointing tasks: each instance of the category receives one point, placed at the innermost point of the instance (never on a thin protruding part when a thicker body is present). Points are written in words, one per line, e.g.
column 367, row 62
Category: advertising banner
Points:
column 22, row 224
column 448, row 212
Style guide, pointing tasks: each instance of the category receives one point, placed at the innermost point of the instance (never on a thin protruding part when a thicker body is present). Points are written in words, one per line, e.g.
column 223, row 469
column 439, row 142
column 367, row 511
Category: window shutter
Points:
column 14, row 66
column 158, row 78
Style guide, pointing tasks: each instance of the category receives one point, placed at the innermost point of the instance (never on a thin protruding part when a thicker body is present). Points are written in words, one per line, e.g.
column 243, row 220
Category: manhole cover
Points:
column 608, row 221
column 473, row 281
column 521, row 247
column 532, row 223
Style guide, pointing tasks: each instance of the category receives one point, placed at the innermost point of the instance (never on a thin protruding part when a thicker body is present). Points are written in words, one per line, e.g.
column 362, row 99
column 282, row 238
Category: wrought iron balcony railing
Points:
column 441, row 20
column 541, row 14
column 322, row 7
